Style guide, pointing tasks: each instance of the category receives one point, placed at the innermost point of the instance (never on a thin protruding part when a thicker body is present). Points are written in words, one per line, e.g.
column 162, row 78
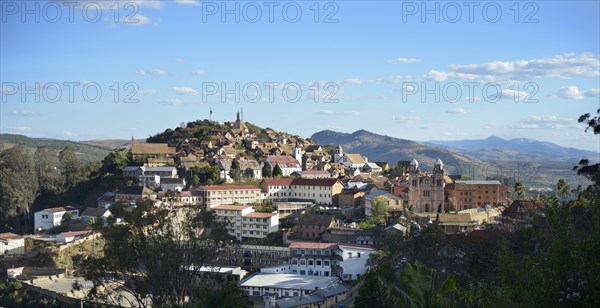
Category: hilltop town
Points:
column 286, row 208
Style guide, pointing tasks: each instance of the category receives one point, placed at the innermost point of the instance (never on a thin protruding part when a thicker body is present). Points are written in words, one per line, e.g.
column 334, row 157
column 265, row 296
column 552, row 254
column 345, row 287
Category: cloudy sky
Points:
column 416, row 70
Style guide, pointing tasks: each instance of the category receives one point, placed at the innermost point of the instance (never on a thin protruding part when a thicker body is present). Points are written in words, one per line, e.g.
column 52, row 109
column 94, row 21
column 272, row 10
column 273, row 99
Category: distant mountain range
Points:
column 497, row 149
column 385, row 148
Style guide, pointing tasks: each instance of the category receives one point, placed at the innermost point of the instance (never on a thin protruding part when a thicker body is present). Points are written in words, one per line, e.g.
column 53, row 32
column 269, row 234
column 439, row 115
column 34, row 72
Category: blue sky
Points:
column 376, row 58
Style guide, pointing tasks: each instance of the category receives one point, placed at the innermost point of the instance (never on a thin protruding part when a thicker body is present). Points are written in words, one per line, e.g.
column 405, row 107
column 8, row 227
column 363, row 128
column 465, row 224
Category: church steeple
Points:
column 238, row 117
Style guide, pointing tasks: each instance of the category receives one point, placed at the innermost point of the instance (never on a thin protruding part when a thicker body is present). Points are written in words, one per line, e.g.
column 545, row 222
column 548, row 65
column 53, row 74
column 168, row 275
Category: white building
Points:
column 353, row 262
column 249, row 169
column 150, row 181
column 52, row 217
column 346, row 261
column 11, row 244
column 92, row 214
column 320, row 191
column 214, row 195
column 288, row 164
column 242, row 222
column 67, row 237
column 172, row 184
column 284, row 285
column 353, row 161
column 313, row 259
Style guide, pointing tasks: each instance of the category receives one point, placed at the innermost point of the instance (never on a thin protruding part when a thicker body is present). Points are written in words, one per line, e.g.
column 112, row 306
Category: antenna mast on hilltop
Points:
column 242, row 119
column 210, row 115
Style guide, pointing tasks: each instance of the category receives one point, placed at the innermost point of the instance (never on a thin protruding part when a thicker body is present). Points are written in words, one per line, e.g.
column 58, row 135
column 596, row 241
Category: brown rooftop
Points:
column 151, row 148
column 10, row 236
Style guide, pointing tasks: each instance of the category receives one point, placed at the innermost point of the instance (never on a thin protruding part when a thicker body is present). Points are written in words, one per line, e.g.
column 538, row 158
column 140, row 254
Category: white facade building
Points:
column 11, row 244
column 285, row 285
column 52, row 217
column 214, row 195
column 353, row 262
column 242, row 222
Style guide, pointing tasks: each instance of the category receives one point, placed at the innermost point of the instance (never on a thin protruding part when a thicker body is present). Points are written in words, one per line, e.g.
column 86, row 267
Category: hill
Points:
column 385, row 148
column 522, row 149
column 86, row 152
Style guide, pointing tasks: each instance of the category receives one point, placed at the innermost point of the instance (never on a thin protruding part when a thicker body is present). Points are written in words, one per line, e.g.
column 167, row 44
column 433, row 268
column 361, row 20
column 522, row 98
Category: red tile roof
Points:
column 227, row 187
column 526, row 205
column 312, row 245
column 278, row 182
column 10, row 236
column 284, row 161
column 230, row 207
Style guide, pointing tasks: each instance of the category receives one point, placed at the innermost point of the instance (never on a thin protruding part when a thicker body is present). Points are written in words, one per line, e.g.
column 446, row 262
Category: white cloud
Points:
column 186, row 91
column 517, row 96
column 570, row 92
column 68, row 133
column 560, row 66
column 405, row 60
column 187, row 2
column 179, row 60
column 436, row 76
column 456, row 111
column 147, row 91
column 330, row 112
column 153, row 72
column 23, row 113
column 405, row 119
column 172, row 102
column 573, row 92
column 352, row 81
column 198, row 72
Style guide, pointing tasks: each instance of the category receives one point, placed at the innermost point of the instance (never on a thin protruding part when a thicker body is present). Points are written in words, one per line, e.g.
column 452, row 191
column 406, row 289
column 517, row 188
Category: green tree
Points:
column 155, row 257
column 379, row 210
column 50, row 179
column 266, row 171
column 195, row 180
column 519, row 189
column 277, row 172
column 418, row 288
column 115, row 161
column 226, row 295
column 563, row 188
column 71, row 167
column 19, row 188
column 234, row 171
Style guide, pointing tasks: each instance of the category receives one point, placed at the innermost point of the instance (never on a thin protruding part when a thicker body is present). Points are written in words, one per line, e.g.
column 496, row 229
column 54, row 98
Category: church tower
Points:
column 438, row 186
column 339, row 152
column 298, row 152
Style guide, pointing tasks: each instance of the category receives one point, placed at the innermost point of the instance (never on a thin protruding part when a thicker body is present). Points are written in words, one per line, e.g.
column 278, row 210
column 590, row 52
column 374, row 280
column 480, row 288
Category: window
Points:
column 318, row 262
column 326, row 262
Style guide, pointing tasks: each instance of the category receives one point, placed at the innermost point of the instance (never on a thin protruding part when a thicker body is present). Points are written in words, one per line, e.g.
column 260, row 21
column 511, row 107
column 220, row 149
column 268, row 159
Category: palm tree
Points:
column 421, row 284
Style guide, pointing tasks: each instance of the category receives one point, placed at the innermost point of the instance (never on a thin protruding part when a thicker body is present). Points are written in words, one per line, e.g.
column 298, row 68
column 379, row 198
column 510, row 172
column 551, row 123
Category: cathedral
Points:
column 426, row 191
